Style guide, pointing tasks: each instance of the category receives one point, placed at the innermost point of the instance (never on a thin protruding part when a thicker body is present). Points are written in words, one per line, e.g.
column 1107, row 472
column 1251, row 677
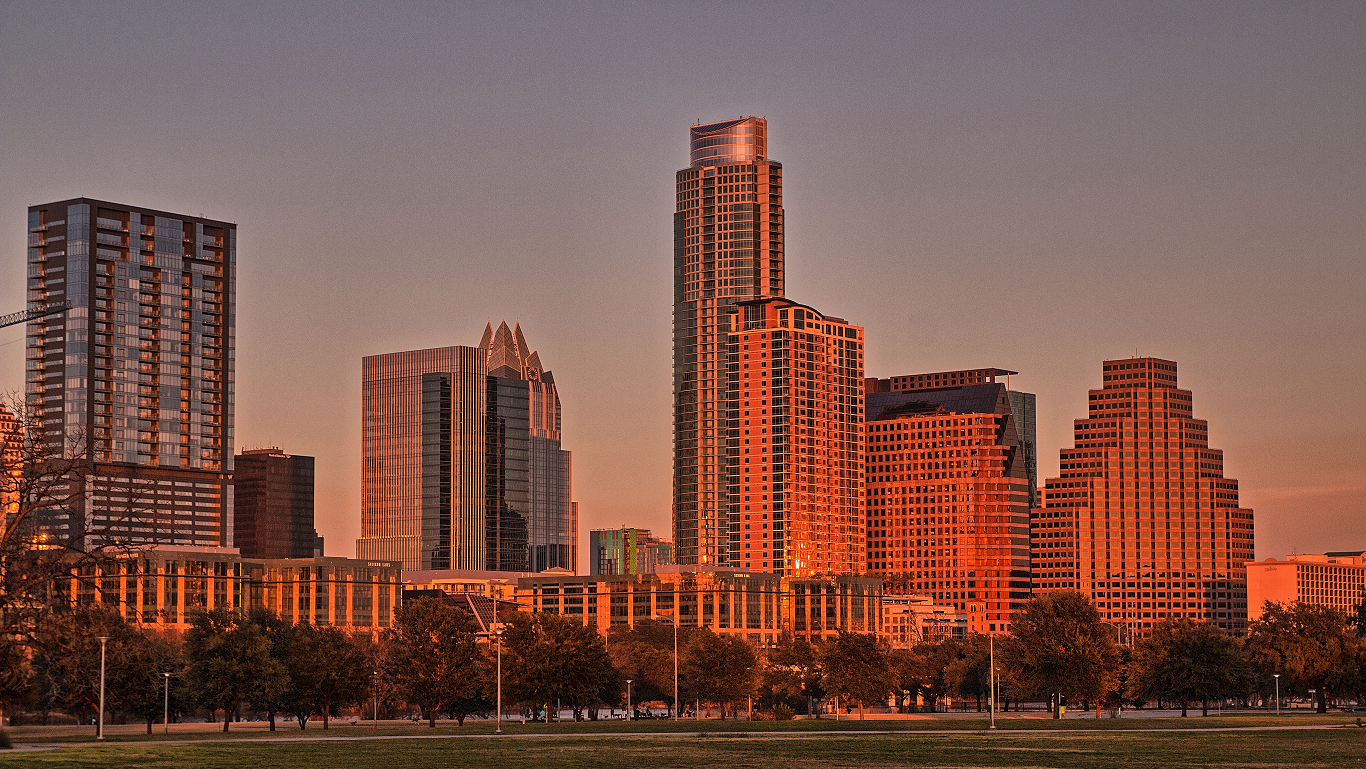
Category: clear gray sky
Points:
column 1034, row 186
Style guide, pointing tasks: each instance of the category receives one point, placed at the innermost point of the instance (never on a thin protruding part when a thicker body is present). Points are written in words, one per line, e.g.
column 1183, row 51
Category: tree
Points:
column 794, row 670
column 1185, row 661
column 431, row 651
column 230, row 663
column 1061, row 647
column 1307, row 644
column 970, row 674
column 549, row 658
column 645, row 654
column 856, row 669
column 908, row 680
column 721, row 669
column 341, row 673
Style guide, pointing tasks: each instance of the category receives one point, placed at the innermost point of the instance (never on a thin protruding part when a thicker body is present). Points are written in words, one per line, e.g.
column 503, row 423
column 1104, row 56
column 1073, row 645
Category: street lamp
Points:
column 991, row 648
column 628, row 699
column 166, row 705
column 1277, row 676
column 100, row 729
column 498, row 634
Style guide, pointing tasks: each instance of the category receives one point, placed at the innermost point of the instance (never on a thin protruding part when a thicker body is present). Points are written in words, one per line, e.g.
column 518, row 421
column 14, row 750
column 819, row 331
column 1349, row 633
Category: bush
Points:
column 5, row 744
column 782, row 712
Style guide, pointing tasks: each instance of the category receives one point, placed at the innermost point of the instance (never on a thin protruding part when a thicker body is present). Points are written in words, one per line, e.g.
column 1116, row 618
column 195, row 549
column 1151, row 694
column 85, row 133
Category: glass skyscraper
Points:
column 137, row 375
column 728, row 248
column 461, row 460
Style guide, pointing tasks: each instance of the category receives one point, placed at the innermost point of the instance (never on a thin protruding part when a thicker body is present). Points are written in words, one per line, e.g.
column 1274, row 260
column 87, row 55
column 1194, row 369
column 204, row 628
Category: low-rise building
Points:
column 759, row 606
column 627, row 551
column 1336, row 580
column 165, row 587
column 908, row 620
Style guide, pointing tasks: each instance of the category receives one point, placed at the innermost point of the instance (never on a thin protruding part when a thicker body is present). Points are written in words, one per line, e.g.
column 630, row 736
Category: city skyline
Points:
column 1058, row 176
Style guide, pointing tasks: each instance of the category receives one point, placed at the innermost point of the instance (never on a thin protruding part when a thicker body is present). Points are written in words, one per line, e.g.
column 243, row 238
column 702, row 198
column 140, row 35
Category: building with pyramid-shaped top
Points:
column 461, row 460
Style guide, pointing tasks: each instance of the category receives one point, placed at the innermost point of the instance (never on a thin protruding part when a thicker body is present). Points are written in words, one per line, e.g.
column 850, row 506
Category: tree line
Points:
column 435, row 661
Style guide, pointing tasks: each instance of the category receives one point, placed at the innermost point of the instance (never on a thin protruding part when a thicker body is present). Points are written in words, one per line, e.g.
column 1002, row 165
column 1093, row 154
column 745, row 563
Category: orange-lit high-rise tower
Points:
column 949, row 461
column 794, row 461
column 1141, row 517
column 728, row 248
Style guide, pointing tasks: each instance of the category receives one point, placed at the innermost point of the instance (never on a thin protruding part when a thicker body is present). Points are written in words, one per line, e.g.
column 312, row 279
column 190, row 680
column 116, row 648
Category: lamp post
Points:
column 498, row 634
column 991, row 649
column 1277, row 676
column 375, row 693
column 99, row 735
column 628, row 699
column 166, row 705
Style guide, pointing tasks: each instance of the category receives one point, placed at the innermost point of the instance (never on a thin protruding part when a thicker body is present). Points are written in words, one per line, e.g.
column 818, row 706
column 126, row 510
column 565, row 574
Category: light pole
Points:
column 375, row 692
column 628, row 699
column 498, row 635
column 166, row 705
column 991, row 649
column 675, row 667
column 100, row 729
column 1277, row 676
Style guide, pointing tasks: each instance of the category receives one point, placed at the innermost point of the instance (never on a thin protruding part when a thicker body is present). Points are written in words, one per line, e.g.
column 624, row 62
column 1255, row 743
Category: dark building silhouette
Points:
column 273, row 510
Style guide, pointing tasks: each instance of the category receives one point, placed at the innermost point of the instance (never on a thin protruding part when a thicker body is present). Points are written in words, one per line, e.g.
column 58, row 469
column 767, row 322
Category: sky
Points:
column 1032, row 186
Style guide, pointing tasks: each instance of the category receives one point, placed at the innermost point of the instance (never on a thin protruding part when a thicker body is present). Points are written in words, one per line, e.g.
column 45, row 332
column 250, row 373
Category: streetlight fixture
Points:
column 991, row 648
column 1277, row 676
column 498, row 635
column 628, row 699
column 166, row 705
column 99, row 734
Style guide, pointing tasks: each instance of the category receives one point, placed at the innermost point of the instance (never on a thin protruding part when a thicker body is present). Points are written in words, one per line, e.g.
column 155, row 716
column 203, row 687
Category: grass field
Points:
column 1270, row 742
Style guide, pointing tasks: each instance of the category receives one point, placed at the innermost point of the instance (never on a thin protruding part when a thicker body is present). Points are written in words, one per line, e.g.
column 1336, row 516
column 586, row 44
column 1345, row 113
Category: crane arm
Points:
column 24, row 316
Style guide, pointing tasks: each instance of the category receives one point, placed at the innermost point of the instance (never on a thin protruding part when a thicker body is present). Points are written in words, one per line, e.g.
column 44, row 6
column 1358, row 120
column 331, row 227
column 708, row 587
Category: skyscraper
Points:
column 532, row 522
column 273, row 496
column 1141, row 517
column 794, row 464
column 948, row 480
column 461, row 465
column 728, row 248
column 138, row 373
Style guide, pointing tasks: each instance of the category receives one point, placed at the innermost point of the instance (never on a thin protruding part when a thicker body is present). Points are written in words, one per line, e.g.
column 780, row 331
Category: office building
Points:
column 728, row 248
column 461, row 465
column 1141, row 517
column 532, row 522
column 1335, row 580
column 137, row 376
column 273, row 496
column 794, row 463
column 757, row 606
column 627, row 551
column 947, row 501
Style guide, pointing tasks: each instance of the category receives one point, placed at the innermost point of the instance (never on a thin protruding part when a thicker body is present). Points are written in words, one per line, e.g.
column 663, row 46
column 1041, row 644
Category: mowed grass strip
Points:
column 1319, row 748
column 256, row 730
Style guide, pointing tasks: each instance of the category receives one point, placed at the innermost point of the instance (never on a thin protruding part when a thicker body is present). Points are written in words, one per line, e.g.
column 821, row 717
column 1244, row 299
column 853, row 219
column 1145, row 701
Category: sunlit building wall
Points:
column 948, row 494
column 1150, row 527
column 794, row 455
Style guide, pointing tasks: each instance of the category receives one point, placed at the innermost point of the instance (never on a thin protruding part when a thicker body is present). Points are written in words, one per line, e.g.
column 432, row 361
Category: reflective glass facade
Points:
column 142, row 363
column 728, row 248
column 423, row 458
column 273, row 495
column 461, row 460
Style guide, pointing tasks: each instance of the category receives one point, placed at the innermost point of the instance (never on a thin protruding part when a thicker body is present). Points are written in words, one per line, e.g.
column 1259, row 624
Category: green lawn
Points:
column 743, row 745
